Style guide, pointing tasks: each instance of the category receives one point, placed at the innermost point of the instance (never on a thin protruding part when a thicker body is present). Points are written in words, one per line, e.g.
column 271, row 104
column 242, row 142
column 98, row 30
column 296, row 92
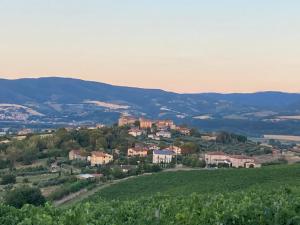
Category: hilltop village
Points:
column 69, row 161
column 161, row 155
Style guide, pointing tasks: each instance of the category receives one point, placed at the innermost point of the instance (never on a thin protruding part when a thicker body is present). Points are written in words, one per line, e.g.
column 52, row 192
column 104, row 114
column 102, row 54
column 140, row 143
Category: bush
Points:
column 71, row 188
column 193, row 161
column 276, row 162
column 24, row 195
column 8, row 179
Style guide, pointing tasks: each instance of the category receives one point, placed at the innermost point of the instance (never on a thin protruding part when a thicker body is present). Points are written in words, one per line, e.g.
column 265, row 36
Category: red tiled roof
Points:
column 138, row 149
column 99, row 154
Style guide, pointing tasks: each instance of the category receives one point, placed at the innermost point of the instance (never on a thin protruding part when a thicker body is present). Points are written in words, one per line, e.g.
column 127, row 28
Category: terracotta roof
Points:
column 99, row 154
column 138, row 149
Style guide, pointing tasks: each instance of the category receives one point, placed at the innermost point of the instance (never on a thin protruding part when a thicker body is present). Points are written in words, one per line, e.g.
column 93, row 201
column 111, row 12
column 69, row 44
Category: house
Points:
column 5, row 141
column 153, row 137
column 183, row 130
column 135, row 132
column 77, row 155
column 100, row 158
column 54, row 168
column 215, row 158
column 125, row 168
column 175, row 149
column 89, row 176
column 236, row 161
column 162, row 156
column 165, row 123
column 164, row 134
column 25, row 132
column 145, row 123
column 126, row 120
column 153, row 147
column 208, row 138
column 137, row 151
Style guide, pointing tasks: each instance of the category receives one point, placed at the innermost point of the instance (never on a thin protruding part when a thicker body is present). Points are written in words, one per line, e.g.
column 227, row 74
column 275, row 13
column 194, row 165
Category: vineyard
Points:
column 204, row 182
column 267, row 196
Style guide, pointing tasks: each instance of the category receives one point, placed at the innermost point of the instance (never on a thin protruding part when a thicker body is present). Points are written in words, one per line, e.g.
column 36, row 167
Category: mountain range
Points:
column 59, row 101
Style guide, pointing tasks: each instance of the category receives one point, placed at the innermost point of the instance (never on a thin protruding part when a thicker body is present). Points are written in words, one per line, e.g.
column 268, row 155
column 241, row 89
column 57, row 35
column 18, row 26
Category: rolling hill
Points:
column 64, row 100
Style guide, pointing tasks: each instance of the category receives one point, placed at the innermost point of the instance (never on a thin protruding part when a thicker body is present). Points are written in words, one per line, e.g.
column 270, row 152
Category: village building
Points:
column 165, row 124
column 137, row 151
column 145, row 123
column 77, row 155
column 175, row 149
column 208, row 138
column 162, row 156
column 100, row 158
column 25, row 132
column 135, row 132
column 126, row 120
column 89, row 176
column 236, row 161
column 153, row 147
column 164, row 134
column 183, row 130
column 153, row 137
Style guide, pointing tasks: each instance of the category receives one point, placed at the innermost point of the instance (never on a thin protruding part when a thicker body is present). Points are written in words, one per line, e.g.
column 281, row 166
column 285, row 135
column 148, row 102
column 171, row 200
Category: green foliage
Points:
column 280, row 207
column 193, row 161
column 190, row 148
column 24, row 195
column 204, row 181
column 70, row 188
column 280, row 161
column 8, row 179
column 225, row 138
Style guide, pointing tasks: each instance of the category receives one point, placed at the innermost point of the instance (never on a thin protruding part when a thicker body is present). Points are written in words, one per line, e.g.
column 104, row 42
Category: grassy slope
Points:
column 217, row 181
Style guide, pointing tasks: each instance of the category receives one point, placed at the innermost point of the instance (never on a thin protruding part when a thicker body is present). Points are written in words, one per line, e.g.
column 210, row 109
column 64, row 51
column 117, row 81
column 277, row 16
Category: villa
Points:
column 100, row 158
column 236, row 161
column 162, row 156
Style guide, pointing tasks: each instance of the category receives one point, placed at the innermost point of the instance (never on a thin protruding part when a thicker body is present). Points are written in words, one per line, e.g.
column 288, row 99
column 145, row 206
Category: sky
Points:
column 185, row 46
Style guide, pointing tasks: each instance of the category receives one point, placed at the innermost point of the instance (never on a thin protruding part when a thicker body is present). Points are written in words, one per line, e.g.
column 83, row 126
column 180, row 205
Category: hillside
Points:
column 275, row 201
column 203, row 182
column 58, row 101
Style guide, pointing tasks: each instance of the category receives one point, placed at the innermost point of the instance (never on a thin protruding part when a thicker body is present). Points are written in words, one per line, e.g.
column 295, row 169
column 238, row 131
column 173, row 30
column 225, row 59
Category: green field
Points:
column 266, row 196
column 204, row 181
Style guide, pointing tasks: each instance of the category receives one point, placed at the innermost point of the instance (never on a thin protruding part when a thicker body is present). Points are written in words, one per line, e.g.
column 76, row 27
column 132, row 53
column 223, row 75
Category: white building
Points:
column 153, row 137
column 164, row 134
column 162, row 156
column 135, row 132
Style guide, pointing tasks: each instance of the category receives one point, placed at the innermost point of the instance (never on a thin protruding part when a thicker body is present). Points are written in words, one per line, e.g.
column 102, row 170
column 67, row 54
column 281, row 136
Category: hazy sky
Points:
column 178, row 45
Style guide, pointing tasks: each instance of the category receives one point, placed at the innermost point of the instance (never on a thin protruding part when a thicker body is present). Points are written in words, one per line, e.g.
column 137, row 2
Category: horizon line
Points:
column 150, row 88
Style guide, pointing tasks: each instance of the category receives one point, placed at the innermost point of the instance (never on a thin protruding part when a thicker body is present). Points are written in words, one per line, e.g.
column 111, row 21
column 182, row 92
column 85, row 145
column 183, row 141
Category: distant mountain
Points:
column 64, row 100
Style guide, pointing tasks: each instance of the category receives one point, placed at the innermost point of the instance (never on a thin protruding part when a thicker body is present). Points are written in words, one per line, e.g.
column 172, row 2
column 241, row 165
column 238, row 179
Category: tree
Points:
column 190, row 148
column 8, row 179
column 24, row 195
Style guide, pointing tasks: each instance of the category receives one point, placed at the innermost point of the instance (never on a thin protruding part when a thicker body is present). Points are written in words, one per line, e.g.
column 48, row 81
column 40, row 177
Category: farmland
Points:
column 269, row 196
column 204, row 182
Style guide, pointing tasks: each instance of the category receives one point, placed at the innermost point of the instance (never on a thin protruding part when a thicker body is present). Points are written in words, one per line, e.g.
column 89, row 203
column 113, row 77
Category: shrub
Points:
column 24, row 195
column 8, row 179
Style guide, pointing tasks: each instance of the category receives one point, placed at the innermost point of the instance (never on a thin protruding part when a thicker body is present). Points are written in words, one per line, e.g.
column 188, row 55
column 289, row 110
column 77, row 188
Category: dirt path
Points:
column 84, row 193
